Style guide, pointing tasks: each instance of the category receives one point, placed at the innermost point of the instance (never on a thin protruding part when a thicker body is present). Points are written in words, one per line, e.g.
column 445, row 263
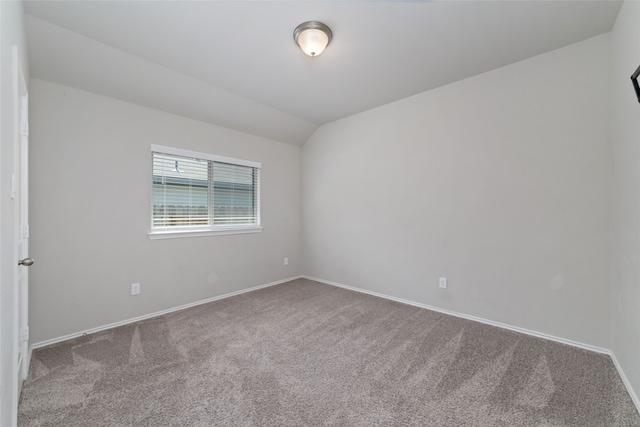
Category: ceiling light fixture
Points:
column 312, row 37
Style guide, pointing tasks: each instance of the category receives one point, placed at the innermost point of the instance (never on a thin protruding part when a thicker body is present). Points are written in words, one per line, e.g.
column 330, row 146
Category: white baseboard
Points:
column 572, row 343
column 625, row 380
column 155, row 314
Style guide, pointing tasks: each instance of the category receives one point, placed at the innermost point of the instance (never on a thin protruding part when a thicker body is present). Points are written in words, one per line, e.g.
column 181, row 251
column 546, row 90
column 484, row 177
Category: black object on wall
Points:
column 634, row 80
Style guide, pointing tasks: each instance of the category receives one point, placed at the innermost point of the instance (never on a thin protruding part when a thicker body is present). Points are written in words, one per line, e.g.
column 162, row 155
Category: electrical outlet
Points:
column 286, row 261
column 135, row 289
column 443, row 282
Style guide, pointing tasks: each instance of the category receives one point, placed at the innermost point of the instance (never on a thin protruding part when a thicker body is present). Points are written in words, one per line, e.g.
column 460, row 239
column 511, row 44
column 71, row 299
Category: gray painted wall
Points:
column 625, row 143
column 11, row 34
column 499, row 182
column 91, row 190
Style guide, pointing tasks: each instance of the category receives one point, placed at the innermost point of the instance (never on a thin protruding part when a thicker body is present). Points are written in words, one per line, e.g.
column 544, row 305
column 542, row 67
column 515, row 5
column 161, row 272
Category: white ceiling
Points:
column 234, row 63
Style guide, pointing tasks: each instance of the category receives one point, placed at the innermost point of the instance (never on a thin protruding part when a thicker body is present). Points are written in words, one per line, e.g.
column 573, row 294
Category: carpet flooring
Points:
column 309, row 354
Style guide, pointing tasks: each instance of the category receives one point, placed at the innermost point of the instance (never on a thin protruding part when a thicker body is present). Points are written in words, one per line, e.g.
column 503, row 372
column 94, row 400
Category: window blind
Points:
column 191, row 192
column 235, row 194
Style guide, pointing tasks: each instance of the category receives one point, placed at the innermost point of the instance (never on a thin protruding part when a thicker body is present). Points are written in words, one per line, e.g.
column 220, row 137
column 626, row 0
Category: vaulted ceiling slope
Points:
column 235, row 64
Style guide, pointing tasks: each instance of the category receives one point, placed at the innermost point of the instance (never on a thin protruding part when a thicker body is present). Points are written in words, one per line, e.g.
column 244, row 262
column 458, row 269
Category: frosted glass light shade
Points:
column 312, row 37
column 313, row 42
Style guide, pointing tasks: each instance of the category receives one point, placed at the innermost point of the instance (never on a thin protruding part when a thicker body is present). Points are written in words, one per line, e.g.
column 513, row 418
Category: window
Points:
column 202, row 194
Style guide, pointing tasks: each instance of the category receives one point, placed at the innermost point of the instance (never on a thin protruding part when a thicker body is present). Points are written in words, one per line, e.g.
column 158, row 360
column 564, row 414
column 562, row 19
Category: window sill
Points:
column 178, row 234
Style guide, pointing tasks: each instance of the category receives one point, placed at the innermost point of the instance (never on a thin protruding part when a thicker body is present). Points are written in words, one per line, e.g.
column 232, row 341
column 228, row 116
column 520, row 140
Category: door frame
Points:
column 22, row 225
column 20, row 195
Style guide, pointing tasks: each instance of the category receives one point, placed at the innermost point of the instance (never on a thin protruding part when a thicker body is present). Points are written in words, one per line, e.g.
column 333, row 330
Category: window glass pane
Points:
column 180, row 191
column 235, row 194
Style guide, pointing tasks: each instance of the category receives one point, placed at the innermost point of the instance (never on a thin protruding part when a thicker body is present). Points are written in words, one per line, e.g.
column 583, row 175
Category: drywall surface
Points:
column 11, row 34
column 59, row 55
column 499, row 182
column 91, row 212
column 625, row 143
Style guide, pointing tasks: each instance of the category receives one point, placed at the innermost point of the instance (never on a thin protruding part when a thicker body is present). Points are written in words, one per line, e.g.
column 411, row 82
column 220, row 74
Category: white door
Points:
column 20, row 191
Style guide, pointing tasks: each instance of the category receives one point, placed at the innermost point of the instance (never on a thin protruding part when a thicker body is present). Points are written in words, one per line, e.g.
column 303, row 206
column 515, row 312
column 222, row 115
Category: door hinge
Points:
column 25, row 232
column 25, row 334
column 25, row 129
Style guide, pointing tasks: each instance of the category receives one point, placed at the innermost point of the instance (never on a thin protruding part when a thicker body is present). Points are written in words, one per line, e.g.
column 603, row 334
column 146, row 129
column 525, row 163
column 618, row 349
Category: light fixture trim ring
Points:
column 312, row 25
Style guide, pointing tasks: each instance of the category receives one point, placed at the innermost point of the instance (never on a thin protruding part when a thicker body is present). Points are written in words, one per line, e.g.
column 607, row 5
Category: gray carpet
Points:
column 305, row 354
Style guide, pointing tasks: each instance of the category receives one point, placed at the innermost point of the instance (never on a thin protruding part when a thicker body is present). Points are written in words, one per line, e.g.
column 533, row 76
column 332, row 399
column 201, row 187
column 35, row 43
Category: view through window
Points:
column 194, row 192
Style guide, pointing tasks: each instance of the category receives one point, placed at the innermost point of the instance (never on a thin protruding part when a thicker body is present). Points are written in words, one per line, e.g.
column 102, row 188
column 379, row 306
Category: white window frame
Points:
column 209, row 230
